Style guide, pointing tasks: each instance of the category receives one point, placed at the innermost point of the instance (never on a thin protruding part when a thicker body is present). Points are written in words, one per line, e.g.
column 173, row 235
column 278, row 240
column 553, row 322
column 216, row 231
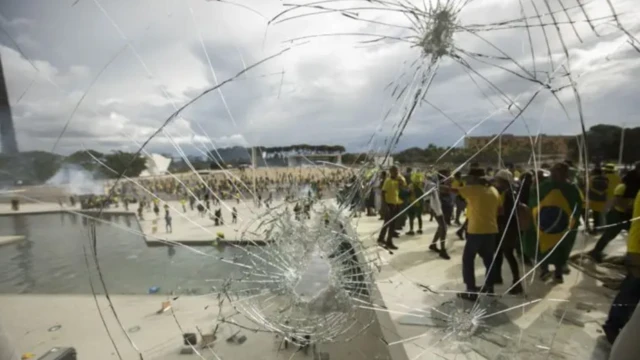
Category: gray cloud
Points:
column 332, row 90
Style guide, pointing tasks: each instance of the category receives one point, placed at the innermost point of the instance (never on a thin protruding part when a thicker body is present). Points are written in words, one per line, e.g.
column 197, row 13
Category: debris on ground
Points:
column 164, row 306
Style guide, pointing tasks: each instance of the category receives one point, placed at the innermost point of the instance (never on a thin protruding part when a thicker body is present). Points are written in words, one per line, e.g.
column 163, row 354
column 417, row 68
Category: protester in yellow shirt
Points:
column 627, row 299
column 391, row 195
column 483, row 204
column 613, row 179
column 617, row 220
column 633, row 241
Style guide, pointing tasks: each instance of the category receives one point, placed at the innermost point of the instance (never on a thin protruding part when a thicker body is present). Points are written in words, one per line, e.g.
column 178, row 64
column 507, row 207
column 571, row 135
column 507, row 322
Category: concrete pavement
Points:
column 76, row 321
column 561, row 321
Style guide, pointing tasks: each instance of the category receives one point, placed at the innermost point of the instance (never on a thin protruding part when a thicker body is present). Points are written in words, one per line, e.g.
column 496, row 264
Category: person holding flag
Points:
column 556, row 212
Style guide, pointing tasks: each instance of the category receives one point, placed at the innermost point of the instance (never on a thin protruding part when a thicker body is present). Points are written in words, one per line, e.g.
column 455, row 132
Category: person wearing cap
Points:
column 509, row 232
column 483, row 203
column 556, row 210
column 628, row 296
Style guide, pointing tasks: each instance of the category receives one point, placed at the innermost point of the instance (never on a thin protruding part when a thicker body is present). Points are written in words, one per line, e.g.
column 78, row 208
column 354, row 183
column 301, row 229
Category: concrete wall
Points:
column 35, row 194
column 7, row 131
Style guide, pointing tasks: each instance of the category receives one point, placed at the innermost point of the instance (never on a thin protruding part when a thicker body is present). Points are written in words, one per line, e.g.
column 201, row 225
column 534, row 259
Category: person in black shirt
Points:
column 509, row 233
column 446, row 200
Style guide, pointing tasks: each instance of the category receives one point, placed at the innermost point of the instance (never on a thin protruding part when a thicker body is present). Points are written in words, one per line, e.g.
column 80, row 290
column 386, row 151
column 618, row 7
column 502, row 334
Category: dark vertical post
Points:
column 7, row 132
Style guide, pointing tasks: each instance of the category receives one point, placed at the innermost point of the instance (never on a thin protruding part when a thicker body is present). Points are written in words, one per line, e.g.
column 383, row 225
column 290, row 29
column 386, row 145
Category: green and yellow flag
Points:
column 556, row 216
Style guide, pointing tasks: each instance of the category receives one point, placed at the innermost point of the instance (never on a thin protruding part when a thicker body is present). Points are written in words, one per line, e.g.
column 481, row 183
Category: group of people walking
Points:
column 534, row 217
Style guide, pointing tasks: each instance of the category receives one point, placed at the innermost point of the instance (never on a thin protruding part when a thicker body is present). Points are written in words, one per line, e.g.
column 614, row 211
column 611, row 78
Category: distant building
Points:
column 383, row 161
column 156, row 165
column 296, row 160
column 550, row 145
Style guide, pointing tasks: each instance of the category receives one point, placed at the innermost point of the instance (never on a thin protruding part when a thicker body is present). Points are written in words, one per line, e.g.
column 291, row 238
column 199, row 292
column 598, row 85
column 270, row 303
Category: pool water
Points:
column 51, row 259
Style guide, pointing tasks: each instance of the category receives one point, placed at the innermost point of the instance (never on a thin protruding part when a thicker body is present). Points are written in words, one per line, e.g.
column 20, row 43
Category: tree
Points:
column 603, row 144
column 351, row 159
column 124, row 163
column 86, row 159
column 44, row 165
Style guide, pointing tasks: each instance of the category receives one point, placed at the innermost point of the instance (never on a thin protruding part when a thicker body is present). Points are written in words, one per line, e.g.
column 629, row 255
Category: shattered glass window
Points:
column 204, row 179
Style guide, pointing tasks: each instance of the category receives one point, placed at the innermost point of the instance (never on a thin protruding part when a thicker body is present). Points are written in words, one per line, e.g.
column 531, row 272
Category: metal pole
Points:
column 621, row 146
column 7, row 131
column 580, row 155
column 499, row 151
column 253, row 166
column 540, row 147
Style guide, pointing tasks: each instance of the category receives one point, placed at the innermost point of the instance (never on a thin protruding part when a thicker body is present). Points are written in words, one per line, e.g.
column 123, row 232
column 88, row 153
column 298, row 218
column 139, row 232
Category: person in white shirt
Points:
column 431, row 188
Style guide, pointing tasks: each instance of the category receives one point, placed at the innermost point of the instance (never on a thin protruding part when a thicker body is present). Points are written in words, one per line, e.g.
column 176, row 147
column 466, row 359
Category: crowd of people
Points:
column 528, row 216
column 515, row 214
column 205, row 193
column 229, row 186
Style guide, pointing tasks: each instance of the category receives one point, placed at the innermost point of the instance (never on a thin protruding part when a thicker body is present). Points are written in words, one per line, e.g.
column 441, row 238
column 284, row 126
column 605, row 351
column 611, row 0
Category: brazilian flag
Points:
column 556, row 216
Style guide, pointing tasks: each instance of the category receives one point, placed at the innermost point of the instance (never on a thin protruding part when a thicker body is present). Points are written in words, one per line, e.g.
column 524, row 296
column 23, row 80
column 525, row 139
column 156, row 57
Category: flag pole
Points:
column 621, row 145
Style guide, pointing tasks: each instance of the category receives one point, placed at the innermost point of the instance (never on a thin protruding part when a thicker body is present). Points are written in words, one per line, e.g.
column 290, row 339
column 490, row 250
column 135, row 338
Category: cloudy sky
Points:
column 115, row 70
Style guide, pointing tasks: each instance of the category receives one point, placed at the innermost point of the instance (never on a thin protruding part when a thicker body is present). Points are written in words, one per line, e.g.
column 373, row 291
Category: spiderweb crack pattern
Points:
column 323, row 311
column 433, row 27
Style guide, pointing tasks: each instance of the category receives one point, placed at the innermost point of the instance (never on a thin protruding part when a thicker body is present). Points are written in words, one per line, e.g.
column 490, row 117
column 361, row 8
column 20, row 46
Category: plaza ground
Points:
column 559, row 320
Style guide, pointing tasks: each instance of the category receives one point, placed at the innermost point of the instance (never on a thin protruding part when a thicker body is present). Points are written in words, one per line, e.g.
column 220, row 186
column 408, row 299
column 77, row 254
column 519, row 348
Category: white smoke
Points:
column 76, row 180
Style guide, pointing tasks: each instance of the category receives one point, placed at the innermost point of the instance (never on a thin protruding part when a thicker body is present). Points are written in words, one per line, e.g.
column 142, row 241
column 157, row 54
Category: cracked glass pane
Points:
column 333, row 179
